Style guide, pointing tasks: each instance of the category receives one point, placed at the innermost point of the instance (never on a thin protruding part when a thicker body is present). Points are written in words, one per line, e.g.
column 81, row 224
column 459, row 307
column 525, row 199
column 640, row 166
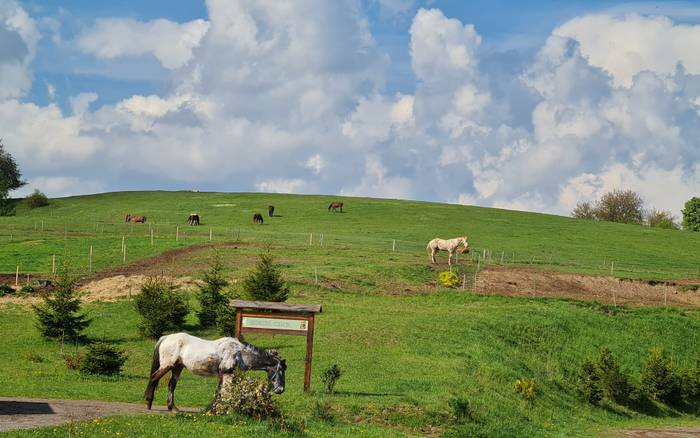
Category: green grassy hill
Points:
column 405, row 348
column 71, row 225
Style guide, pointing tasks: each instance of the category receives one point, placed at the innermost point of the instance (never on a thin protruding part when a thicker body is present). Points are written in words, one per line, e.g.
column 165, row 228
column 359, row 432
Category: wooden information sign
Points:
column 281, row 319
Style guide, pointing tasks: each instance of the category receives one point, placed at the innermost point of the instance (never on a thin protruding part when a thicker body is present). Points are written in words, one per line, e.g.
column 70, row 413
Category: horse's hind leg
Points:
column 171, row 387
column 153, row 384
column 432, row 256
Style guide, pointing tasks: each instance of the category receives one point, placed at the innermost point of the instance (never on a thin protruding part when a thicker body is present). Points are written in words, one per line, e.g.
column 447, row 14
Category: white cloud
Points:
column 171, row 43
column 289, row 97
column 282, row 185
column 18, row 40
column 623, row 46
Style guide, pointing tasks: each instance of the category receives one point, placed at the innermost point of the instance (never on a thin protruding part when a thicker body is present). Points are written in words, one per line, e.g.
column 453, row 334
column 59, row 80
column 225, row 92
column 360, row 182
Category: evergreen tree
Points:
column 59, row 317
column 265, row 282
column 212, row 300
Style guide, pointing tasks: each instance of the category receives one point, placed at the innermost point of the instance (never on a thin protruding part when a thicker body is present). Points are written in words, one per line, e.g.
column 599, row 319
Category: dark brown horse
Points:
column 335, row 206
column 193, row 219
column 258, row 218
column 270, row 210
column 136, row 219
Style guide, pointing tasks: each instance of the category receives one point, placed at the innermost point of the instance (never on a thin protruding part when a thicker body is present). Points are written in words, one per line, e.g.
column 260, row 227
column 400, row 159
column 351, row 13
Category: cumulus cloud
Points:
column 290, row 97
column 171, row 43
column 18, row 40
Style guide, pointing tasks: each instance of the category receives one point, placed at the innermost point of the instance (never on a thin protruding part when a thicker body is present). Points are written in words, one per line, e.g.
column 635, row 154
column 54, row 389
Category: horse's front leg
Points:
column 171, row 387
column 449, row 257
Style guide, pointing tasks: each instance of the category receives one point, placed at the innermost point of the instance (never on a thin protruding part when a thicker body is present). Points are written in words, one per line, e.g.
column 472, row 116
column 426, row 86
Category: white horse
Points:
column 449, row 245
column 209, row 358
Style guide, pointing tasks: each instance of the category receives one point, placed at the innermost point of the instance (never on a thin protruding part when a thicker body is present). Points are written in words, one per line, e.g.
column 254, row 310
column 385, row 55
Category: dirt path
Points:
column 681, row 432
column 28, row 413
column 527, row 282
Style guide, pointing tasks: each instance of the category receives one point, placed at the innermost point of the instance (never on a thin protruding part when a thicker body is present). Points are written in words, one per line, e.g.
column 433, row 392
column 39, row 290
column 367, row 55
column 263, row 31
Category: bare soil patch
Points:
column 681, row 432
column 28, row 413
column 515, row 281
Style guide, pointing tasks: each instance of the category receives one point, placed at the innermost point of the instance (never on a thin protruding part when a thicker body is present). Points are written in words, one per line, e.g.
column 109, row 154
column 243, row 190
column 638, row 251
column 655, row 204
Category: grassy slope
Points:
column 565, row 243
column 404, row 357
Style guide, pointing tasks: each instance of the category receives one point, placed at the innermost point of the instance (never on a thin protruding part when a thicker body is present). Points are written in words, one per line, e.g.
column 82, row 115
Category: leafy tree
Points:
column 10, row 179
column 584, row 210
column 212, row 300
column 265, row 282
column 10, row 176
column 661, row 219
column 36, row 199
column 161, row 306
column 691, row 214
column 623, row 206
column 59, row 317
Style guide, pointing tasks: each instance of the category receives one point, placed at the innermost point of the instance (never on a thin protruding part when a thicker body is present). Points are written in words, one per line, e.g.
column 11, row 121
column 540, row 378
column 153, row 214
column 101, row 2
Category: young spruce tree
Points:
column 265, row 282
column 212, row 300
column 58, row 316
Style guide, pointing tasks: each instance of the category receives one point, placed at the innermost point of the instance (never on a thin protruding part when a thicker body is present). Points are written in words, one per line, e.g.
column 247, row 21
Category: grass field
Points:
column 405, row 348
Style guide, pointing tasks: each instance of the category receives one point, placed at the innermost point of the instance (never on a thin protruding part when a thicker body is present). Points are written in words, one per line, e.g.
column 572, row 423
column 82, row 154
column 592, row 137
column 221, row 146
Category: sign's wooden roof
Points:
column 283, row 307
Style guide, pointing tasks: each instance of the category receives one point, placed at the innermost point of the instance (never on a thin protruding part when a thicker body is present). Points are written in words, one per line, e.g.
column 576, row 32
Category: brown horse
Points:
column 270, row 210
column 136, row 219
column 335, row 206
column 193, row 219
column 258, row 218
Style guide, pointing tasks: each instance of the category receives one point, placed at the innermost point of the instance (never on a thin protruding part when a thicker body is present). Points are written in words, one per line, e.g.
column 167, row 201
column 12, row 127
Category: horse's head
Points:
column 275, row 373
column 466, row 245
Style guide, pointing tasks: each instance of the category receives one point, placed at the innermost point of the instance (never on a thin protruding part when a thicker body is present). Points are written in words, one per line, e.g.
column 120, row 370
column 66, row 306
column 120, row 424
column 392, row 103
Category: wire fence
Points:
column 41, row 247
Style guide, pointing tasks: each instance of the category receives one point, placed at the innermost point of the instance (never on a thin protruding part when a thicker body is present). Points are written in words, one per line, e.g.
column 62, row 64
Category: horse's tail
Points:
column 155, row 365
column 329, row 206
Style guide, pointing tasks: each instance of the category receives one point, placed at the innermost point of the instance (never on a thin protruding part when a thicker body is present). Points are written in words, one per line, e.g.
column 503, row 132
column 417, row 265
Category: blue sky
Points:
column 528, row 105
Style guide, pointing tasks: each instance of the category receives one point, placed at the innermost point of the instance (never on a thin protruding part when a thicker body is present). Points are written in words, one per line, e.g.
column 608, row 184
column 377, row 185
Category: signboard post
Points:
column 278, row 318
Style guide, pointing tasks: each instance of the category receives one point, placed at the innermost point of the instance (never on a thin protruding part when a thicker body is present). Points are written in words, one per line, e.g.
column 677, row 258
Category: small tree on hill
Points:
column 661, row 219
column 59, row 317
column 584, row 210
column 212, row 300
column 161, row 306
column 691, row 214
column 623, row 206
column 265, row 282
column 36, row 199
column 10, row 179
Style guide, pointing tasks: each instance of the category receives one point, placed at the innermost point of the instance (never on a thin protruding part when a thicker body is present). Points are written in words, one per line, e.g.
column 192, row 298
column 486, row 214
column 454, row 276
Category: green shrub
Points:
column 330, row 377
column 27, row 289
column 161, row 306
column 461, row 409
column 58, row 316
column 323, row 410
column 588, row 382
column 6, row 289
column 448, row 279
column 614, row 383
column 525, row 387
column 36, row 199
column 691, row 214
column 246, row 396
column 265, row 282
column 659, row 380
column 690, row 384
column 212, row 300
column 102, row 358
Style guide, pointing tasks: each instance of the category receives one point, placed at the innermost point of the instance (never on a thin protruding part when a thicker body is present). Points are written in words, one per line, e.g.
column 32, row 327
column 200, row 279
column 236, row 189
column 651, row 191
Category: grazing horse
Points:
column 202, row 357
column 257, row 218
column 270, row 210
column 335, row 206
column 136, row 219
column 450, row 245
column 193, row 219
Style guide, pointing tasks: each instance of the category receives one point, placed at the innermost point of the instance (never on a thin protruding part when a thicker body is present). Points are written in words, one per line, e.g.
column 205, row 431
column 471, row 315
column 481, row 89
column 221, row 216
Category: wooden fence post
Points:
column 177, row 233
column 90, row 260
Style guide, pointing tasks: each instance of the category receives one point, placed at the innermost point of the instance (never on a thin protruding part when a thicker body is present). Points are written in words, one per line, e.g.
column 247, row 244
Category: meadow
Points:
column 406, row 347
